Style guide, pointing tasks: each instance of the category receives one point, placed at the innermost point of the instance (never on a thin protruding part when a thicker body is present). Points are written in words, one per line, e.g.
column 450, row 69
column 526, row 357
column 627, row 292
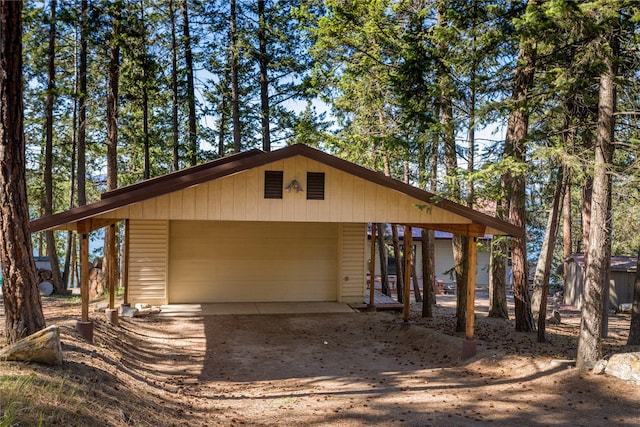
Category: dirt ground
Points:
column 319, row 370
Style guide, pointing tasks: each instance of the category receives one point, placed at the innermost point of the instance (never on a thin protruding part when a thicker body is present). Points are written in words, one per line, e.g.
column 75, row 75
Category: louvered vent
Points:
column 273, row 184
column 315, row 185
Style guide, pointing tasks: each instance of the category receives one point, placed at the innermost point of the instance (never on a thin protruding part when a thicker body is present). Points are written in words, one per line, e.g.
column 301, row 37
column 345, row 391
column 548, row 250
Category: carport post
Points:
column 372, row 267
column 111, row 274
column 125, row 263
column 84, row 275
column 469, row 346
column 471, row 286
column 84, row 326
column 111, row 312
column 408, row 254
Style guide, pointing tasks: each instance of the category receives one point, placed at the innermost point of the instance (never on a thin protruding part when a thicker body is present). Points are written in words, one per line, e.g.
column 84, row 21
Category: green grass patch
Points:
column 37, row 399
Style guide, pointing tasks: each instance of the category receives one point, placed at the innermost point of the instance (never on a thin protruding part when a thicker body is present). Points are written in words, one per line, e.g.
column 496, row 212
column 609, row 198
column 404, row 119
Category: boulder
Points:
column 625, row 366
column 42, row 347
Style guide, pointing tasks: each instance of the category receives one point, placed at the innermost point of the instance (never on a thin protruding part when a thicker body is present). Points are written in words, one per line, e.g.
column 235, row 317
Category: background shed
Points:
column 621, row 280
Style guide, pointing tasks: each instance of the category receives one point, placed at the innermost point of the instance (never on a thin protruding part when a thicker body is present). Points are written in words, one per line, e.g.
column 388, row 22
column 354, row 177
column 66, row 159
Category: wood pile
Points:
column 96, row 282
column 45, row 275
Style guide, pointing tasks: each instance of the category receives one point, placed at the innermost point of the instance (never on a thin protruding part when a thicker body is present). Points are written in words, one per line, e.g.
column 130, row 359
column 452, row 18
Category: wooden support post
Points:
column 372, row 267
column 471, row 286
column 84, row 276
column 125, row 263
column 111, row 274
column 408, row 254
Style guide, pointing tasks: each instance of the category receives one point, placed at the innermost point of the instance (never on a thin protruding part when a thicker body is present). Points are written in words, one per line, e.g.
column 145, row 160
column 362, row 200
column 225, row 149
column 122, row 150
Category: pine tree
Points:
column 21, row 297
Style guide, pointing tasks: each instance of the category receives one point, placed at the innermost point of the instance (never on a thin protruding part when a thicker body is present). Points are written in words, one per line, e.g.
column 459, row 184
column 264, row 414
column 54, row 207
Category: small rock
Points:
column 126, row 311
column 42, row 347
column 599, row 367
column 555, row 318
column 100, row 307
column 625, row 308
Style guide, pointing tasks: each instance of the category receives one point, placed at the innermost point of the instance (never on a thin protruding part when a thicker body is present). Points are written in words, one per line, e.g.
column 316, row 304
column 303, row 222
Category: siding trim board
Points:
column 148, row 261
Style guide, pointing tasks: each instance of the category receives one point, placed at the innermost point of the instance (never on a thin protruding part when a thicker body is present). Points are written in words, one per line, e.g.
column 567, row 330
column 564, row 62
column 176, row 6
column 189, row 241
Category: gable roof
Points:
column 618, row 263
column 247, row 160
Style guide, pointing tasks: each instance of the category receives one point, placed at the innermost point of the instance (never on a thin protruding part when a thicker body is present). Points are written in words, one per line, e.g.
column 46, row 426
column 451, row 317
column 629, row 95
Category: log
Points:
column 41, row 347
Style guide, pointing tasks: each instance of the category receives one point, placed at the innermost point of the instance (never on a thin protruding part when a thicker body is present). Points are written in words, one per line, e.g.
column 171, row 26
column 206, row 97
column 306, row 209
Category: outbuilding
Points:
column 622, row 276
column 285, row 225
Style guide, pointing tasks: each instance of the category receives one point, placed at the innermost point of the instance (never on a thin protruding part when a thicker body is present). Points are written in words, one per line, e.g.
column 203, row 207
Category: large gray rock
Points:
column 625, row 366
column 42, row 347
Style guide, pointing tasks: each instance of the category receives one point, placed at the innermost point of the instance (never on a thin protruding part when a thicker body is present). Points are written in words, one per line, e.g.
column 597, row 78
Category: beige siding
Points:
column 240, row 197
column 215, row 261
column 148, row 251
column 353, row 262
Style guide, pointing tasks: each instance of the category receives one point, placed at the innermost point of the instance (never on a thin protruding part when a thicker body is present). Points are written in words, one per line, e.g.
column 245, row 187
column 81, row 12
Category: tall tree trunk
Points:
column 264, row 79
column 224, row 107
column 414, row 280
column 21, row 298
column 428, row 236
column 499, row 254
column 52, row 253
column 412, row 270
column 634, row 327
column 428, row 273
column 174, row 88
column 145, row 95
column 587, row 190
column 543, row 268
column 382, row 254
column 191, row 90
column 517, row 129
column 498, row 279
column 459, row 244
column 567, row 246
column 66, row 274
column 82, row 108
column 235, row 89
column 599, row 254
column 112, row 124
column 445, row 87
column 112, row 105
column 398, row 258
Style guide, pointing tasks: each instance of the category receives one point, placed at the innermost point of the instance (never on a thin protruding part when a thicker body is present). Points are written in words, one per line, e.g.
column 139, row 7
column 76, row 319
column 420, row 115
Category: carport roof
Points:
column 254, row 158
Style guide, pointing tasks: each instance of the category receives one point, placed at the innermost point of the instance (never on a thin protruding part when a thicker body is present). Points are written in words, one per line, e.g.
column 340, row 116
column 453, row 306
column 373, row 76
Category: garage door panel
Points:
column 238, row 261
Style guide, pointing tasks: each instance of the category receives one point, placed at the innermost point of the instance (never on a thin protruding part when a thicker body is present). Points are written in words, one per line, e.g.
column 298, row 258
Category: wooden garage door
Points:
column 213, row 261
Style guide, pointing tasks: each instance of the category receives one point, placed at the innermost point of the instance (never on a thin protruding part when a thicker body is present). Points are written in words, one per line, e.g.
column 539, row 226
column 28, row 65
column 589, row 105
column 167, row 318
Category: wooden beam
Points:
column 125, row 262
column 88, row 225
column 474, row 230
column 84, row 275
column 472, row 250
column 111, row 274
column 372, row 266
column 408, row 254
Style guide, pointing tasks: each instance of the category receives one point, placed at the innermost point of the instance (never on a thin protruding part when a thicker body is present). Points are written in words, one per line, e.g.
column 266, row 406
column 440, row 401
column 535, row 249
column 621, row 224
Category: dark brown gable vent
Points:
column 273, row 184
column 315, row 185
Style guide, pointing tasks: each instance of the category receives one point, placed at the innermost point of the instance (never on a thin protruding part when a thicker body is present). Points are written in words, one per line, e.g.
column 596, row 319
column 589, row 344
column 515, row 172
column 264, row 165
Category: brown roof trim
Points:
column 410, row 190
column 180, row 173
column 229, row 165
